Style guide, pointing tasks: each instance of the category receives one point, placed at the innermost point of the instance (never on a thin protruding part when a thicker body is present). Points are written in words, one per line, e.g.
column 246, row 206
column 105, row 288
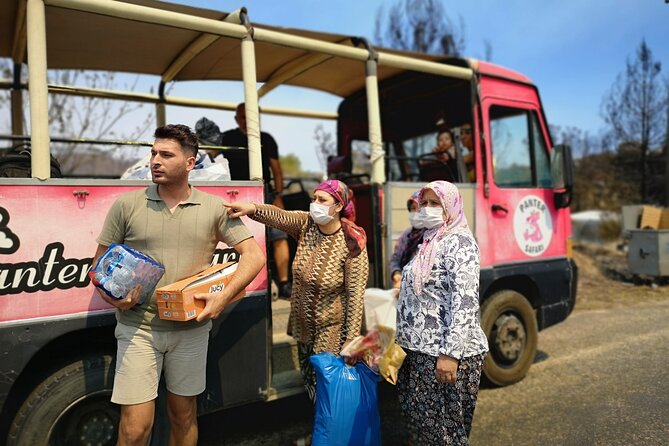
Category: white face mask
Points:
column 416, row 220
column 320, row 213
column 432, row 217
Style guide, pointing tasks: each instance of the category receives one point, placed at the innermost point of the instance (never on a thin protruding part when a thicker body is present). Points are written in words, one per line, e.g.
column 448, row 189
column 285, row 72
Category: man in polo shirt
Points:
column 179, row 226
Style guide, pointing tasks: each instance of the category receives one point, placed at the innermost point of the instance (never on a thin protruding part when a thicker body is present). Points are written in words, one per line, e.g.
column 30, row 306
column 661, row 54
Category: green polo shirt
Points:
column 183, row 241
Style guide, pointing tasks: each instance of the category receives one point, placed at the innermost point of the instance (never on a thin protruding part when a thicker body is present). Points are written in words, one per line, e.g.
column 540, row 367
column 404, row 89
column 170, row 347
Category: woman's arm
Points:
column 356, row 271
column 462, row 276
column 290, row 222
column 396, row 258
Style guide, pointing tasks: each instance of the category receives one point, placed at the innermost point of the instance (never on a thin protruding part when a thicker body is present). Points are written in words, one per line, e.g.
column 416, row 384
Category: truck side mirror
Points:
column 562, row 172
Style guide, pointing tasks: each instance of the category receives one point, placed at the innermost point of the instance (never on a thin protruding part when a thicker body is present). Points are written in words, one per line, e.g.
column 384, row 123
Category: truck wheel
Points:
column 70, row 407
column 509, row 322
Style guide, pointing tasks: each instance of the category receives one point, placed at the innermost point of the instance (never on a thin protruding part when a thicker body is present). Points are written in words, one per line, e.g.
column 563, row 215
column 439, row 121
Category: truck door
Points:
column 521, row 217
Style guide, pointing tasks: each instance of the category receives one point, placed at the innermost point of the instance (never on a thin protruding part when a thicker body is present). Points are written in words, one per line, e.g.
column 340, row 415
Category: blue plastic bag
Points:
column 347, row 412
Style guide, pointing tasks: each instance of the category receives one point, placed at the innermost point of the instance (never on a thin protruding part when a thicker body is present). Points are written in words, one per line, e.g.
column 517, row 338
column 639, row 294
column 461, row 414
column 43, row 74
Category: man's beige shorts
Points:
column 142, row 354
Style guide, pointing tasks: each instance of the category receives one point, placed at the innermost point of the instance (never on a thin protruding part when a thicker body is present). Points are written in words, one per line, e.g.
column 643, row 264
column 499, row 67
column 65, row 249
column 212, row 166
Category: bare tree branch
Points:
column 633, row 109
column 419, row 25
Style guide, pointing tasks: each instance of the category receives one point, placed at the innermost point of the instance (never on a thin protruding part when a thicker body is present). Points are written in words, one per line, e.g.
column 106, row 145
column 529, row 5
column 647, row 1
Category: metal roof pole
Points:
column 39, row 101
column 161, row 115
column 18, row 55
column 374, row 116
column 251, row 101
column 17, row 102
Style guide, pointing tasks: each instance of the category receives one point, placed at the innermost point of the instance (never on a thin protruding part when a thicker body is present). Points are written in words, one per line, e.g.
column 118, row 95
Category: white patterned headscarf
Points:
column 451, row 203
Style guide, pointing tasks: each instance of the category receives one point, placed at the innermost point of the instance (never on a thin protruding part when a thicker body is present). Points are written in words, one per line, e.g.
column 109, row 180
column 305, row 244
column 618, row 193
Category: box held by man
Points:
column 176, row 301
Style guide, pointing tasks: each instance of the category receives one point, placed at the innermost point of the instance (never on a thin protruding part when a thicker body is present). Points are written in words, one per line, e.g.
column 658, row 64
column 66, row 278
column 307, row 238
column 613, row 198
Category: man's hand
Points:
column 236, row 210
column 214, row 305
column 447, row 369
column 126, row 303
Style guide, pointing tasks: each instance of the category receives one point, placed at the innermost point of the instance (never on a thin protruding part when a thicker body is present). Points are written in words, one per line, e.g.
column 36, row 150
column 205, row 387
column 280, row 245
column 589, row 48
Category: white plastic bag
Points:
column 380, row 308
column 205, row 169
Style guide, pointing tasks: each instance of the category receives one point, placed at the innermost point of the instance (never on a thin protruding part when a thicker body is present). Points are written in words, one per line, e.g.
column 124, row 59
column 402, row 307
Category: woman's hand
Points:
column 447, row 369
column 347, row 359
column 236, row 210
column 397, row 279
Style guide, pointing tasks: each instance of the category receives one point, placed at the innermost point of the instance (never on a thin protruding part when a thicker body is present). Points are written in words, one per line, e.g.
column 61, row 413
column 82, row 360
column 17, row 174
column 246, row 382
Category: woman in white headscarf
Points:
column 438, row 324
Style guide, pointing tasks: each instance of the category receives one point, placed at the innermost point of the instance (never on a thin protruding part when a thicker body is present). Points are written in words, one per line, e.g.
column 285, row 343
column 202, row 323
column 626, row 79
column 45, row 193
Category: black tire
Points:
column 70, row 407
column 509, row 322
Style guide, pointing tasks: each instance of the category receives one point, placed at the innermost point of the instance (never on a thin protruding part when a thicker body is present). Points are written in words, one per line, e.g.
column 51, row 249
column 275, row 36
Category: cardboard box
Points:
column 176, row 301
column 650, row 217
column 664, row 221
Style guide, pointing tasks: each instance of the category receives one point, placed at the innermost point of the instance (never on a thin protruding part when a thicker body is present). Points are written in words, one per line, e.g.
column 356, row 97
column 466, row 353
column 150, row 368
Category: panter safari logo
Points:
column 532, row 225
column 9, row 242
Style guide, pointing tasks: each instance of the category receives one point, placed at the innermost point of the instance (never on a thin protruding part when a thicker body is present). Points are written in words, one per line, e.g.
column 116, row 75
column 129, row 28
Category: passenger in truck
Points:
column 442, row 163
column 465, row 133
column 408, row 243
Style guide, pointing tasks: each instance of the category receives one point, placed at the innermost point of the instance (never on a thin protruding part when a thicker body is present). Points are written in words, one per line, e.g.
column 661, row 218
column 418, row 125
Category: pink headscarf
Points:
column 356, row 239
column 451, row 202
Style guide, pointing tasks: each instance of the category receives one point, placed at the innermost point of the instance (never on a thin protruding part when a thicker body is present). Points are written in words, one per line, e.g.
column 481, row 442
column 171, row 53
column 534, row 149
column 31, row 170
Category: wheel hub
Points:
column 96, row 429
column 510, row 339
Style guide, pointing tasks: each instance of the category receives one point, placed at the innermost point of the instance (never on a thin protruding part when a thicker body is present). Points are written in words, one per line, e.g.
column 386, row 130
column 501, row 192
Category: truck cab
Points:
column 516, row 193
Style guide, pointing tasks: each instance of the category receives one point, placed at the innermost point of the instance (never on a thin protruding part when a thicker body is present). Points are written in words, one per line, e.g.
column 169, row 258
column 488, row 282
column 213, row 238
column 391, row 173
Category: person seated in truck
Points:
column 408, row 243
column 465, row 133
column 441, row 163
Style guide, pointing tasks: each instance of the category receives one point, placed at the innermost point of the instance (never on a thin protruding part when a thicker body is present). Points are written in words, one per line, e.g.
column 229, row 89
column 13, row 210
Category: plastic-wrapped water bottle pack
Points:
column 120, row 268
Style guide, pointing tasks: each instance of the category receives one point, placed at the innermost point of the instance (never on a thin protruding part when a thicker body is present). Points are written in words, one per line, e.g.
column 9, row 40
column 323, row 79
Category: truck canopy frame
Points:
column 180, row 43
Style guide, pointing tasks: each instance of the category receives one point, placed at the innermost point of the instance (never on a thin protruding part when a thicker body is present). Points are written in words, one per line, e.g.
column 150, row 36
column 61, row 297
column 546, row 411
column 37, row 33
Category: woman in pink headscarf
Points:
column 438, row 324
column 329, row 271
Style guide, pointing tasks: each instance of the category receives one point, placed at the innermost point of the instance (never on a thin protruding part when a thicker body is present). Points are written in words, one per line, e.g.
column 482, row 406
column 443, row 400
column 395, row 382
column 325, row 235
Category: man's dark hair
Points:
column 181, row 134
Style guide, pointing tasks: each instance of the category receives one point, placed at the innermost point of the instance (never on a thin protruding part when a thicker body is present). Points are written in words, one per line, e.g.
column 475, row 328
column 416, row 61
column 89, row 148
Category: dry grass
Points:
column 605, row 282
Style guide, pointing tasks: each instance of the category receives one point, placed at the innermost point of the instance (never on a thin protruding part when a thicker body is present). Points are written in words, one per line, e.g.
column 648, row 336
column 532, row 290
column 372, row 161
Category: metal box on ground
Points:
column 648, row 252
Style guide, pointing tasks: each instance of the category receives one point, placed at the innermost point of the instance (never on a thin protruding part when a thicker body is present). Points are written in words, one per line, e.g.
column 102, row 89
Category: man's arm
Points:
column 251, row 261
column 122, row 304
column 277, row 174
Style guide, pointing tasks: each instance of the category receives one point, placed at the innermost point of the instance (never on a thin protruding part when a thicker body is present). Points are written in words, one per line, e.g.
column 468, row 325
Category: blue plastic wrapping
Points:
column 347, row 411
column 121, row 267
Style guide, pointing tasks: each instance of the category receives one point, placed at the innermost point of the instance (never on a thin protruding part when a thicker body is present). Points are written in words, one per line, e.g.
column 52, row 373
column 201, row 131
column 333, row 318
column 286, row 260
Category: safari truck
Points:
column 56, row 335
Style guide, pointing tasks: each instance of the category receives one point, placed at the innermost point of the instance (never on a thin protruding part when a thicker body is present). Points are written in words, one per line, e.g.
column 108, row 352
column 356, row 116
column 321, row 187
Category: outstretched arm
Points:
column 290, row 222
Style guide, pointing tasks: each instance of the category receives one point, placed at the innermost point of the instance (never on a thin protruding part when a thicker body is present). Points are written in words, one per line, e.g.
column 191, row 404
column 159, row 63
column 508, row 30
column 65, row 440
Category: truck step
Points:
column 280, row 313
column 284, row 354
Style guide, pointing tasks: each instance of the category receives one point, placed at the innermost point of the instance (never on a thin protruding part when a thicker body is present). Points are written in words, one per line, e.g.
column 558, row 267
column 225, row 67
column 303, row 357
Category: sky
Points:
column 571, row 49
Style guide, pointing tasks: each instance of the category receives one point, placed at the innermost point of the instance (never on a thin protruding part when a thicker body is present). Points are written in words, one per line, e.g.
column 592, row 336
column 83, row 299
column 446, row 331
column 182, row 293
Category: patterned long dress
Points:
column 328, row 286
